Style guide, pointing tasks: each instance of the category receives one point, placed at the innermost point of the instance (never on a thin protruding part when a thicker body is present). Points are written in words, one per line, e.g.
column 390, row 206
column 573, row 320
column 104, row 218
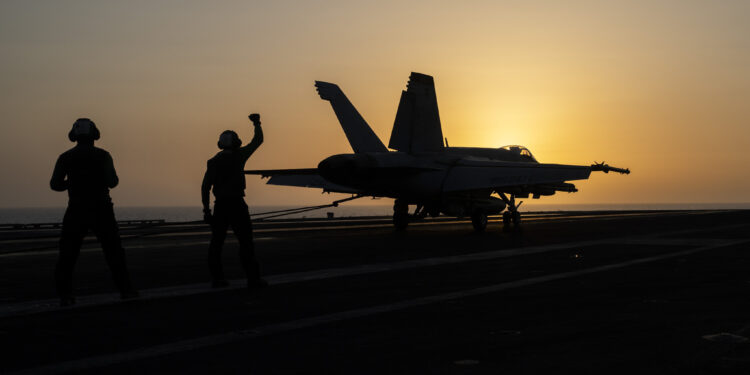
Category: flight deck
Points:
column 572, row 292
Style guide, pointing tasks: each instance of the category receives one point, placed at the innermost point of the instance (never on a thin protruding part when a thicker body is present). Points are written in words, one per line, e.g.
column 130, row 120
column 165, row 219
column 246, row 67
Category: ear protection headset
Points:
column 83, row 127
column 229, row 140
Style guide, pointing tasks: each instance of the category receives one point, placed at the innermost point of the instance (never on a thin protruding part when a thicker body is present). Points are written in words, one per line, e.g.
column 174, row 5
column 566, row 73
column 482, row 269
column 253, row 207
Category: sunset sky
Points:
column 660, row 87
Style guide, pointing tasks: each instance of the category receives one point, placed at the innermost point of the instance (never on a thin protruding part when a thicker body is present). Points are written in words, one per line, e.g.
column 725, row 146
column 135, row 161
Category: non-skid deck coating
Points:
column 643, row 292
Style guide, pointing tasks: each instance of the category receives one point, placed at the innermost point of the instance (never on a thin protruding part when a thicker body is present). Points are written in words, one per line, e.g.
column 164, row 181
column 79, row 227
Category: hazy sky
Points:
column 660, row 87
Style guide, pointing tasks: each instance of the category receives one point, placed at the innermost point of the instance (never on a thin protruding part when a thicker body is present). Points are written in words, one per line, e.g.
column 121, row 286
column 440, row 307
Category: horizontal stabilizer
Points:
column 274, row 172
column 358, row 132
column 303, row 177
column 310, row 181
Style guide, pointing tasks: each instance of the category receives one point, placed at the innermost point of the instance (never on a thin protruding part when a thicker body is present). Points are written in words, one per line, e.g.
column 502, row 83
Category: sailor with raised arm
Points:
column 225, row 176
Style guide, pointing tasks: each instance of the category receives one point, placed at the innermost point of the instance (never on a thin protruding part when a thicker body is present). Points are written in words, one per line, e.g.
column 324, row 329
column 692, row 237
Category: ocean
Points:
column 189, row 213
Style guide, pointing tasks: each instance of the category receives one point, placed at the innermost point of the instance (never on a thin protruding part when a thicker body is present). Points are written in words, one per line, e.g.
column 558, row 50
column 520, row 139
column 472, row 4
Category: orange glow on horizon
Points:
column 659, row 88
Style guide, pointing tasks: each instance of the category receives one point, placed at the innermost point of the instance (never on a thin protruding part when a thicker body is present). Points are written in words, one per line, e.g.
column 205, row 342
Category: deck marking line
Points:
column 128, row 247
column 40, row 306
column 31, row 307
column 540, row 217
column 564, row 219
column 245, row 334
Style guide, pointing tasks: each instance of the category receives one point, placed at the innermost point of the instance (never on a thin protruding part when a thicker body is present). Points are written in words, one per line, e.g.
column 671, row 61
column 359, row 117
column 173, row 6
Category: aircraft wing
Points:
column 498, row 175
column 307, row 177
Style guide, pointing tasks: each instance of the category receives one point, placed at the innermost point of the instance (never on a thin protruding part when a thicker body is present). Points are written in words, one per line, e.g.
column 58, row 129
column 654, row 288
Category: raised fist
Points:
column 255, row 118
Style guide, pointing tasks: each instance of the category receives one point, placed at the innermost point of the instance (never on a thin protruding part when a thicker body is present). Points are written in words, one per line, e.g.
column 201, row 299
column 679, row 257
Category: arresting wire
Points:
column 298, row 210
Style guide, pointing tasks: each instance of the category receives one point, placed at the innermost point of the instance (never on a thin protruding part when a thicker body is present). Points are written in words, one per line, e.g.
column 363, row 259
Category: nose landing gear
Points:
column 511, row 215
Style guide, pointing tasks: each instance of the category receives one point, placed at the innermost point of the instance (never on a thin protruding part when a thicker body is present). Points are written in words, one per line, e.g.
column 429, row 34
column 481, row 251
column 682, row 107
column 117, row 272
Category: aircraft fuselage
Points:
column 422, row 178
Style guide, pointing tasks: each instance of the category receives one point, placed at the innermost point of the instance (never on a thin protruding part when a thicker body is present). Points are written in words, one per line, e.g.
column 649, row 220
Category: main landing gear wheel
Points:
column 400, row 215
column 511, row 220
column 400, row 221
column 479, row 221
column 517, row 219
column 507, row 217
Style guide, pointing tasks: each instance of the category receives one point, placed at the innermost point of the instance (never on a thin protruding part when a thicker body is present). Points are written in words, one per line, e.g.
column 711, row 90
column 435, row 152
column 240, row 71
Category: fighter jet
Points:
column 423, row 171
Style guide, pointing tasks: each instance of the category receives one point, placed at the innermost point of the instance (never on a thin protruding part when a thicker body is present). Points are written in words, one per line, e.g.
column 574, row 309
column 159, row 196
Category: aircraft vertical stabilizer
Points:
column 358, row 132
column 417, row 126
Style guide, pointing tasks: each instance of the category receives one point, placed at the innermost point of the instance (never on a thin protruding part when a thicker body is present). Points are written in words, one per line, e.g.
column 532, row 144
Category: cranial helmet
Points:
column 83, row 127
column 229, row 140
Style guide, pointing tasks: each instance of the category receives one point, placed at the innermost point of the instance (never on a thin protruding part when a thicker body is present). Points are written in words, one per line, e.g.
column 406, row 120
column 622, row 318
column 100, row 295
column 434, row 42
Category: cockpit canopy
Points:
column 520, row 150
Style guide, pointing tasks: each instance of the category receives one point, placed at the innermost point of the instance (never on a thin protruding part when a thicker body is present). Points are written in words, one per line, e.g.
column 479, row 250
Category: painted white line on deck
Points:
column 188, row 229
column 33, row 307
column 536, row 218
column 672, row 241
column 429, row 222
column 270, row 329
column 229, row 240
